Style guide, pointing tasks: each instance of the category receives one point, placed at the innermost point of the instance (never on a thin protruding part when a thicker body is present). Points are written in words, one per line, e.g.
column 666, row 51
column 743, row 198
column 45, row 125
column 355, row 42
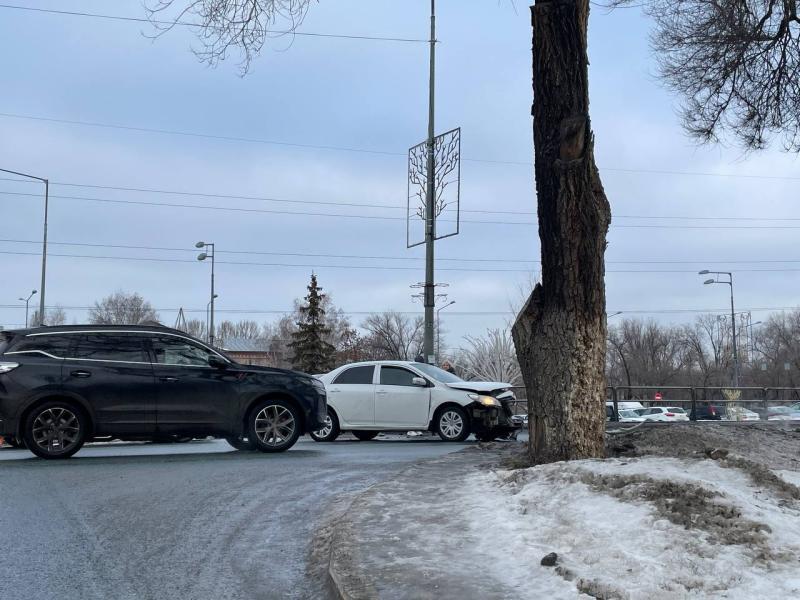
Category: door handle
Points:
column 82, row 374
column 169, row 379
column 334, row 390
column 381, row 392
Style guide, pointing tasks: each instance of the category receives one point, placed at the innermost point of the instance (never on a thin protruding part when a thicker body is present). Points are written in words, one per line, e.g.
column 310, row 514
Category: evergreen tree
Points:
column 312, row 353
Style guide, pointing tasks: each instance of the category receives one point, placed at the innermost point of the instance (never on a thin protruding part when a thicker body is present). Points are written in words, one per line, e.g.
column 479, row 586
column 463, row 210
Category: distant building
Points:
column 248, row 352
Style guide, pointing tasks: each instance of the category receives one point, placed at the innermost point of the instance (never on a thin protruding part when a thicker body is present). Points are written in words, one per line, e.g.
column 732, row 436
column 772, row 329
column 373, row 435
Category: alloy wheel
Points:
column 451, row 424
column 326, row 429
column 275, row 425
column 56, row 430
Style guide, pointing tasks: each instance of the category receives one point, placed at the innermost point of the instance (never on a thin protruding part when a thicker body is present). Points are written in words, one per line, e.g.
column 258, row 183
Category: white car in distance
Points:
column 664, row 413
column 372, row 397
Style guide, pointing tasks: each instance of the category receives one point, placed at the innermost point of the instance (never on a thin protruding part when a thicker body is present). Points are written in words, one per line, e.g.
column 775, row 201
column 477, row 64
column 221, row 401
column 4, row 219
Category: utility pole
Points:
column 430, row 201
column 44, row 237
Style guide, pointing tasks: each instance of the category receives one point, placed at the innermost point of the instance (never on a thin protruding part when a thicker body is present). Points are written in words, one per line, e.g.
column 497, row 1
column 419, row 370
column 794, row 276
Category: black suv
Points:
column 63, row 386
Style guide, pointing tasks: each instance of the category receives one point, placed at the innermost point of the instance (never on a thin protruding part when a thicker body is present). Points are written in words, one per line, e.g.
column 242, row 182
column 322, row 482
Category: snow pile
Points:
column 644, row 528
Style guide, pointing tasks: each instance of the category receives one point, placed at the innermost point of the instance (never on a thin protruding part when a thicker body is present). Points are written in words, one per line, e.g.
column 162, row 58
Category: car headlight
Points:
column 6, row 367
column 484, row 400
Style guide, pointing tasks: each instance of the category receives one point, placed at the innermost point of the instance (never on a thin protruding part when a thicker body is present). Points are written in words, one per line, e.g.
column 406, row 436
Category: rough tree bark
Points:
column 560, row 334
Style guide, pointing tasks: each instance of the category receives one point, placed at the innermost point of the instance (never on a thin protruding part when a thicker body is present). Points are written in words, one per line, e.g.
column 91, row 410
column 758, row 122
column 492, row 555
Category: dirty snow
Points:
column 642, row 528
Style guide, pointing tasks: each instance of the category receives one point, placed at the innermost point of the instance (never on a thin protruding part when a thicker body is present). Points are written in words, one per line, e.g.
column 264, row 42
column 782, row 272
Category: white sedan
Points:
column 371, row 397
column 663, row 413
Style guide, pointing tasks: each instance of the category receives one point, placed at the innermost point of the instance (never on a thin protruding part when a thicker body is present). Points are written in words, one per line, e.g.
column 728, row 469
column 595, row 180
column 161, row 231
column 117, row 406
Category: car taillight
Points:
column 5, row 367
column 713, row 411
column 669, row 414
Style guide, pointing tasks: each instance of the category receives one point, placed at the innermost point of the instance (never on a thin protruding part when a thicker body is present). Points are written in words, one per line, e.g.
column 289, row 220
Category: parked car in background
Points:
column 664, row 413
column 740, row 413
column 372, row 397
column 783, row 413
column 63, row 386
column 621, row 405
column 629, row 415
column 705, row 411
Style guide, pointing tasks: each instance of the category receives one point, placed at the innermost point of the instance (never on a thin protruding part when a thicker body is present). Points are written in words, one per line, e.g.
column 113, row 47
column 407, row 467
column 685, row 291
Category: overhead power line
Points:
column 365, row 267
column 158, row 22
column 261, row 311
column 373, row 217
column 406, row 258
column 404, row 154
column 356, row 204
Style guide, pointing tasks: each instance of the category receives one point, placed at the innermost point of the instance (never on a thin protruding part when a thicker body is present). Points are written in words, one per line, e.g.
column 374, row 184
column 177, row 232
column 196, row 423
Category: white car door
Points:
column 398, row 402
column 352, row 395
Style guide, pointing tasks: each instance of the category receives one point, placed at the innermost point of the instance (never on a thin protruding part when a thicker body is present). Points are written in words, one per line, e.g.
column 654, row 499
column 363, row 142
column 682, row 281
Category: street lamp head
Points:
column 22, row 299
column 708, row 281
column 202, row 256
column 704, row 272
column 216, row 295
column 200, row 245
column 33, row 292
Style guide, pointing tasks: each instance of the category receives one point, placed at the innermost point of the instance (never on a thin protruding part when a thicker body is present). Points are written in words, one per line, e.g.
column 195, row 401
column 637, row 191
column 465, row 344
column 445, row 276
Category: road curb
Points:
column 344, row 575
column 344, row 579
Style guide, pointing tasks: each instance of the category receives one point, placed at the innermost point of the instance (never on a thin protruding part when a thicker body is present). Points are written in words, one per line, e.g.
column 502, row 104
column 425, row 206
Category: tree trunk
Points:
column 560, row 334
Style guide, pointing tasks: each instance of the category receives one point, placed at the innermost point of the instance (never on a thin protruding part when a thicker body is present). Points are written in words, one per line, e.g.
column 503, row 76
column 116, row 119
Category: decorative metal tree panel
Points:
column 447, row 188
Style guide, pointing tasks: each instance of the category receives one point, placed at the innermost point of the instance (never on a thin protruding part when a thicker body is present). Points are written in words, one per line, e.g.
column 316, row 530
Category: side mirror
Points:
column 419, row 381
column 216, row 362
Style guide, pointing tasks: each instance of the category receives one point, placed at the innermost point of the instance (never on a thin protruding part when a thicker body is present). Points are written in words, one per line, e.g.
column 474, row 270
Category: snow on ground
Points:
column 643, row 528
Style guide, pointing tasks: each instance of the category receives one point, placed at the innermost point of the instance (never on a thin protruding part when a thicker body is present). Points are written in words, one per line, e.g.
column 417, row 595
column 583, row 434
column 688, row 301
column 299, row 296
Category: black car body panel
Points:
column 131, row 387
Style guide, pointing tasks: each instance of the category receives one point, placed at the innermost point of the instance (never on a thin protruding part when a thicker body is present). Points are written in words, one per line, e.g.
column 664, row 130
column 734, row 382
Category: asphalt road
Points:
column 194, row 521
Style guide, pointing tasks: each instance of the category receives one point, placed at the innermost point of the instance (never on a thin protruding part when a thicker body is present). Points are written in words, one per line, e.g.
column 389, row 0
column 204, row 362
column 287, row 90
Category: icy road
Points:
column 142, row 521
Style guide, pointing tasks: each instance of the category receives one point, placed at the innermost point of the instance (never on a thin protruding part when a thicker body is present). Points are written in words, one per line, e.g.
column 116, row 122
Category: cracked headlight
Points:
column 484, row 400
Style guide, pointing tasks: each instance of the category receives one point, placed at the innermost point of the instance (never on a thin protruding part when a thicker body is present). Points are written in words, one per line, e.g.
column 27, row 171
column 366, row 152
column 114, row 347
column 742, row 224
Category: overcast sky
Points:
column 368, row 95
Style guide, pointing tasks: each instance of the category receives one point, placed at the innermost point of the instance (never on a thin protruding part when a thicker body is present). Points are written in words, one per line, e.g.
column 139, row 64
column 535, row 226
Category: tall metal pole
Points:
column 735, row 349
column 44, row 238
column 213, row 295
column 44, row 253
column 430, row 201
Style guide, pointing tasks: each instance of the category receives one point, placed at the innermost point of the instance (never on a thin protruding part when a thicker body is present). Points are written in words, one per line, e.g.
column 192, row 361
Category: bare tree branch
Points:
column 734, row 63
column 223, row 25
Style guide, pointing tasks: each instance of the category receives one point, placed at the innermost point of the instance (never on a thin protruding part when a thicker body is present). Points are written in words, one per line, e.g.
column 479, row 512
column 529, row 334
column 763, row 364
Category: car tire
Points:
column 49, row 425
column 365, row 436
column 330, row 431
column 240, row 443
column 273, row 425
column 452, row 424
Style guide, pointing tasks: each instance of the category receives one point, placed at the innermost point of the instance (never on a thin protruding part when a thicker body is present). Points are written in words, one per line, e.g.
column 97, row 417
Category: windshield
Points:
column 437, row 373
column 628, row 414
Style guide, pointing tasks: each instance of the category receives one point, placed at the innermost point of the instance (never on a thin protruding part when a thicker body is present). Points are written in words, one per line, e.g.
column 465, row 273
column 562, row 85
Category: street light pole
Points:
column 208, row 307
column 733, row 318
column 203, row 256
column 430, row 201
column 44, row 236
column 439, row 330
column 26, row 301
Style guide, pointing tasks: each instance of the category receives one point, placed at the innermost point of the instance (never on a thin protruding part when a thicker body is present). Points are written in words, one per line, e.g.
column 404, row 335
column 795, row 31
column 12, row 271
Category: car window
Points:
column 53, row 345
column 170, row 350
column 676, row 409
column 362, row 375
column 109, row 347
column 397, row 376
column 437, row 373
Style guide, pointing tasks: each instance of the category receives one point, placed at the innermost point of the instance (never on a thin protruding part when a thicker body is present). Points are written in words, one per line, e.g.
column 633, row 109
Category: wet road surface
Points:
column 192, row 521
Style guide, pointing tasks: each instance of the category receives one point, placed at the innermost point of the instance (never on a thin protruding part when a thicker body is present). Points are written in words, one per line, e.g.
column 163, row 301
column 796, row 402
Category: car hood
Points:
column 479, row 386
